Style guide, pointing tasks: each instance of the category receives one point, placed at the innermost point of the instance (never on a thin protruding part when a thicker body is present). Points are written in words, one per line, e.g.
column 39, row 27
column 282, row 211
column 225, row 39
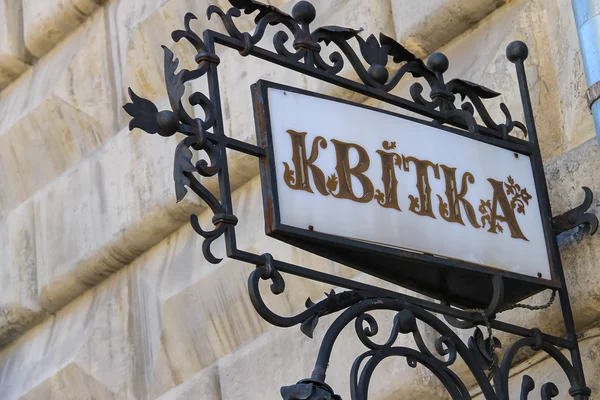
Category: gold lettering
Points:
column 389, row 197
column 345, row 172
column 451, row 211
column 491, row 216
column 302, row 163
column 422, row 204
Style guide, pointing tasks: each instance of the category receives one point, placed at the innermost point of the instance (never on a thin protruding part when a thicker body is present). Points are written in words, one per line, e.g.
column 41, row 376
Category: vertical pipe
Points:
column 587, row 19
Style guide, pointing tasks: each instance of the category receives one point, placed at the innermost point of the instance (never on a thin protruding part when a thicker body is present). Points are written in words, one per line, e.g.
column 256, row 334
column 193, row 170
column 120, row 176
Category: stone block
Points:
column 54, row 147
column 222, row 316
column 19, row 308
column 136, row 333
column 425, row 26
column 101, row 215
column 14, row 59
column 82, row 352
column 72, row 88
column 71, row 383
column 204, row 385
column 577, row 122
column 48, row 22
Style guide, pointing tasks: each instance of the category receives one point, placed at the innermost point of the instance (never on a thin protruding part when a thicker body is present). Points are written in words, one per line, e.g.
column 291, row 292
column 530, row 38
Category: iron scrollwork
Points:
column 356, row 303
column 375, row 53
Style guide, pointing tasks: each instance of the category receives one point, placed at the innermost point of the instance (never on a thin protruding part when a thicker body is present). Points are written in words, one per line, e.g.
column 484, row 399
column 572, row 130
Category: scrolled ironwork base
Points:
column 356, row 307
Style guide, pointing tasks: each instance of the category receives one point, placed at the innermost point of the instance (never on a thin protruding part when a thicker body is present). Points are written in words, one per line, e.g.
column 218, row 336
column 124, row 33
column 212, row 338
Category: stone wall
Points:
column 104, row 293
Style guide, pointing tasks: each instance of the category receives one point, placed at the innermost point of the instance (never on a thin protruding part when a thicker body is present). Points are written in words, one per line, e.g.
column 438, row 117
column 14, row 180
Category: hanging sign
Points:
column 384, row 193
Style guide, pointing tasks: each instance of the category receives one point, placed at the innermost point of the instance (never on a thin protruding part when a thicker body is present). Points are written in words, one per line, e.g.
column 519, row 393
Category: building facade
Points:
column 104, row 290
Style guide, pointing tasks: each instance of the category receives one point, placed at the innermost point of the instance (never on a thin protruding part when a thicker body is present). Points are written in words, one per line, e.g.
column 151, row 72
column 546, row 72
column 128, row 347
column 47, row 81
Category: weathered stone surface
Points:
column 60, row 111
column 140, row 30
column 84, row 351
column 14, row 59
column 122, row 203
column 66, row 268
column 425, row 26
column 204, row 385
column 70, row 383
column 577, row 122
column 19, row 307
column 136, row 333
column 48, row 22
column 580, row 252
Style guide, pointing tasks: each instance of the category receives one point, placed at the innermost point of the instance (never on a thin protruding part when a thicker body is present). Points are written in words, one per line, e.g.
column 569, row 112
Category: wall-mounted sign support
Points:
column 452, row 204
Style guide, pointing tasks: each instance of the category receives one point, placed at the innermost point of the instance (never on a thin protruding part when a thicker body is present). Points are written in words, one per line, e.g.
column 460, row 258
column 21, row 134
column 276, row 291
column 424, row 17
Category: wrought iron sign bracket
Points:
column 470, row 119
column 577, row 216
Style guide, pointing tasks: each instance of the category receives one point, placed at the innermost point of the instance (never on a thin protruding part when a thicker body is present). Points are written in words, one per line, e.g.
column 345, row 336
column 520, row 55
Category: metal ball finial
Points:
column 168, row 123
column 304, row 12
column 379, row 73
column 438, row 62
column 517, row 51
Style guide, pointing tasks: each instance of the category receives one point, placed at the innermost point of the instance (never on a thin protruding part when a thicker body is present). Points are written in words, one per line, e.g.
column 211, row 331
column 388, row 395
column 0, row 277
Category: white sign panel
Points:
column 361, row 174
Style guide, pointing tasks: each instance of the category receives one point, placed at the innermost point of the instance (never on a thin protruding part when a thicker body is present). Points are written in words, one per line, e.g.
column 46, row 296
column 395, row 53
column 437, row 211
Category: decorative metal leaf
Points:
column 397, row 51
column 309, row 303
column 372, row 51
column 308, row 326
column 249, row 6
column 144, row 113
column 189, row 34
column 325, row 33
column 465, row 88
column 482, row 346
column 175, row 85
column 182, row 164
